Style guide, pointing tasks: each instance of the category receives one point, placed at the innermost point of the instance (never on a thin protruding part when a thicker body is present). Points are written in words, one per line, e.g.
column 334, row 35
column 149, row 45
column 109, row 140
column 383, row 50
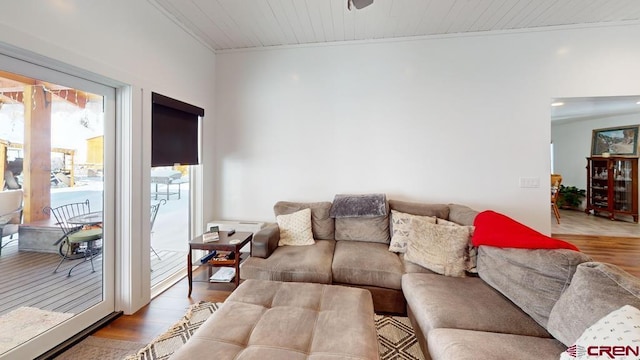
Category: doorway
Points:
column 572, row 123
column 57, row 141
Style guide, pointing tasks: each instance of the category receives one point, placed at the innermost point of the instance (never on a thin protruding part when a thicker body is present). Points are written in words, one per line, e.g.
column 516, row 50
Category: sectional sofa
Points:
column 530, row 296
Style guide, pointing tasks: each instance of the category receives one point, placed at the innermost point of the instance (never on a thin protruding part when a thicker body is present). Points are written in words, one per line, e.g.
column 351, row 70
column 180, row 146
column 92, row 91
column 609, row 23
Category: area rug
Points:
column 24, row 323
column 396, row 339
column 97, row 348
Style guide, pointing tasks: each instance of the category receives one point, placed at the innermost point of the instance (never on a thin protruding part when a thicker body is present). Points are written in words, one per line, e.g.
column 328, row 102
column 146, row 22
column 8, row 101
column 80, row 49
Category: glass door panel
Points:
column 170, row 194
column 57, row 143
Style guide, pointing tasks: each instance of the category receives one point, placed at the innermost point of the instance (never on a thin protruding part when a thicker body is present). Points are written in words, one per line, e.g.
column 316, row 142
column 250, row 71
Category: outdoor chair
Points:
column 154, row 213
column 10, row 215
column 79, row 239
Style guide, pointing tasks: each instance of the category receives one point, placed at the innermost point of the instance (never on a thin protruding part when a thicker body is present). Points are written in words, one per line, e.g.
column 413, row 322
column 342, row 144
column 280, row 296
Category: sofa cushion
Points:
column 365, row 263
column 371, row 229
column 293, row 263
column 532, row 279
column 462, row 214
column 410, row 267
column 295, row 228
column 440, row 248
column 619, row 328
column 464, row 303
column 495, row 229
column 596, row 290
column 321, row 224
column 422, row 209
column 456, row 344
column 401, row 228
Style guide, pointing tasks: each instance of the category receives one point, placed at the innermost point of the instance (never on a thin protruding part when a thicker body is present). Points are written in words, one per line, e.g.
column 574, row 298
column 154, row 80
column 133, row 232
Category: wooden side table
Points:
column 224, row 244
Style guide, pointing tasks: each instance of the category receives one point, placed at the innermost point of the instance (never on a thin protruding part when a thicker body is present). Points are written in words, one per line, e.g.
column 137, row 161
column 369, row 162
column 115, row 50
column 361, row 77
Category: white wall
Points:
column 134, row 44
column 572, row 145
column 453, row 119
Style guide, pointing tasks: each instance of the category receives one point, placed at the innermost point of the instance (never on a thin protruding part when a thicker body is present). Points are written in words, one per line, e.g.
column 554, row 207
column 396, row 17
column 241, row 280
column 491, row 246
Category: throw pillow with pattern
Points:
column 295, row 228
column 400, row 229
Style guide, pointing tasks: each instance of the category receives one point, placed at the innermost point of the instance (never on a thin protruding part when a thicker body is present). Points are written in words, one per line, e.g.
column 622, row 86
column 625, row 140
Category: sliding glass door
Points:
column 57, row 147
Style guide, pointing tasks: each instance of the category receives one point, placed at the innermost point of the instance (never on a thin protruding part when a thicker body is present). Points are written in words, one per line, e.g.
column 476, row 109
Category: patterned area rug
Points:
column 96, row 348
column 396, row 339
column 24, row 323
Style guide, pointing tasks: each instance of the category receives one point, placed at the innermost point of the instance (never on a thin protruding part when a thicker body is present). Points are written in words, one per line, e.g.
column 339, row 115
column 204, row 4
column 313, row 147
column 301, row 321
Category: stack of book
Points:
column 224, row 274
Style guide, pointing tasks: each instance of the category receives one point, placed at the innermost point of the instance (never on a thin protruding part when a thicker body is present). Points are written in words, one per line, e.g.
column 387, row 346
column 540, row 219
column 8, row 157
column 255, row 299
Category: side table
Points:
column 224, row 244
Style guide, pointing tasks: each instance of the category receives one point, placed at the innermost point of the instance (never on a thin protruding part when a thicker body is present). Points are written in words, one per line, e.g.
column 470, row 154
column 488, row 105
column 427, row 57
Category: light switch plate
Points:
column 529, row 182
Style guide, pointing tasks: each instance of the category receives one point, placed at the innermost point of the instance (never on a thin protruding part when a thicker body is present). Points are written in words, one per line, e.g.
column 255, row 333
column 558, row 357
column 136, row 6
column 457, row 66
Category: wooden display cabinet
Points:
column 612, row 186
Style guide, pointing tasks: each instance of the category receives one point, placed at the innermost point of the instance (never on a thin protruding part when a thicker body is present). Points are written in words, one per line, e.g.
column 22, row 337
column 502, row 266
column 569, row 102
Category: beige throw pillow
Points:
column 442, row 249
column 295, row 228
column 401, row 227
column 472, row 251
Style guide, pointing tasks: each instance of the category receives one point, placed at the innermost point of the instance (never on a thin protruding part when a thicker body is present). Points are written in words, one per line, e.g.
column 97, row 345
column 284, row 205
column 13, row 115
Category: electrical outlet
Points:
column 529, row 182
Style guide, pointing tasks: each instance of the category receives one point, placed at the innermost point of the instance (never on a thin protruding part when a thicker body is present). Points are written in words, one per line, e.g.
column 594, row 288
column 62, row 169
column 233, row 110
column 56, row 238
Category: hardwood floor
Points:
column 615, row 242
column 163, row 311
column 621, row 251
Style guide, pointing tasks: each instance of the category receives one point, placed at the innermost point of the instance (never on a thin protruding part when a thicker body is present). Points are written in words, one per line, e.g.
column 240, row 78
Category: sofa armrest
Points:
column 265, row 241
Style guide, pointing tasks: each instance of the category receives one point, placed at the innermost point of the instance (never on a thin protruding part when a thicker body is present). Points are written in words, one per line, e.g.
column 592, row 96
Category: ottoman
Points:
column 265, row 319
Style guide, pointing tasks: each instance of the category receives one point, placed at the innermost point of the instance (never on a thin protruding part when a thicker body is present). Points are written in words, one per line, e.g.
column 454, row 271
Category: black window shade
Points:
column 174, row 131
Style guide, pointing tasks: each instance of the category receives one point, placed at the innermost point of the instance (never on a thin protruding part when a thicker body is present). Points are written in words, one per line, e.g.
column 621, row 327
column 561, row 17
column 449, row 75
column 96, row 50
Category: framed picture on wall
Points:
column 618, row 141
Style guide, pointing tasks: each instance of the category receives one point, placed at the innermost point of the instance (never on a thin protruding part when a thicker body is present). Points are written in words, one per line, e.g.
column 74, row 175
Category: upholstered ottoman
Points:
column 285, row 320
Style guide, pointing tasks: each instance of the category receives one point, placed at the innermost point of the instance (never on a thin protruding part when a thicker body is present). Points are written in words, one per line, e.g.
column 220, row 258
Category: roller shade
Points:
column 174, row 131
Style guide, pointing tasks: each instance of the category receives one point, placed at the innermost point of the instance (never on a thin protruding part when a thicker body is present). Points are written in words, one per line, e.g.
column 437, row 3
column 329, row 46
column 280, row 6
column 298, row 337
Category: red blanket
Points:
column 495, row 229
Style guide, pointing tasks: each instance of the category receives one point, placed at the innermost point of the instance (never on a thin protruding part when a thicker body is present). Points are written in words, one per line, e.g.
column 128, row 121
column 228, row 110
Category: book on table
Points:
column 224, row 274
column 212, row 235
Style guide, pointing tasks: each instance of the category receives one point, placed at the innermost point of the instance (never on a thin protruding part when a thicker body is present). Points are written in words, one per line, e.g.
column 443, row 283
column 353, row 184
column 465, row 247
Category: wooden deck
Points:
column 28, row 280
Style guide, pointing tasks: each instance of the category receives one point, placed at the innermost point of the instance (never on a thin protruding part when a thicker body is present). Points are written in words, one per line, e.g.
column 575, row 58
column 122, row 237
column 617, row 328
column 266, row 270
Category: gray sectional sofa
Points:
column 351, row 251
column 522, row 304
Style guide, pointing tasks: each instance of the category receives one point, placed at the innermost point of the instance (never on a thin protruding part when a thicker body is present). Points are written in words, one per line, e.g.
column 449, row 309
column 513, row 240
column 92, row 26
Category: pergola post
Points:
column 37, row 152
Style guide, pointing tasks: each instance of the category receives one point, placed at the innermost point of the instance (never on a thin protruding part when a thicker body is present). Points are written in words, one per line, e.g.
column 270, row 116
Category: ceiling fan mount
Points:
column 358, row 4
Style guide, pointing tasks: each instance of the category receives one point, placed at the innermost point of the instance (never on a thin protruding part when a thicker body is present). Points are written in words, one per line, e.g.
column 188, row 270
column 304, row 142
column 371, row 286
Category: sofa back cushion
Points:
column 533, row 279
column 322, row 225
column 596, row 290
column 373, row 229
column 462, row 214
column 422, row 209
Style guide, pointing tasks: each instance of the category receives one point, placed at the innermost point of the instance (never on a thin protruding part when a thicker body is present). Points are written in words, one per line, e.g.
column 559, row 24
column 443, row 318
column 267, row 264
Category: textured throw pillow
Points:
column 441, row 249
column 295, row 228
column 472, row 251
column 401, row 228
column 619, row 331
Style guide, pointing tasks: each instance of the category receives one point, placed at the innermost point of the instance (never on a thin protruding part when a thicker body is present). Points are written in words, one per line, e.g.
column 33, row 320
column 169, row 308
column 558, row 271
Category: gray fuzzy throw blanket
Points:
column 367, row 205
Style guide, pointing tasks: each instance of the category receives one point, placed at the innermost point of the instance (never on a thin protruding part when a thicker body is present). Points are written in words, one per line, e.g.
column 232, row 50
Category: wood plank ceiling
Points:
column 236, row 24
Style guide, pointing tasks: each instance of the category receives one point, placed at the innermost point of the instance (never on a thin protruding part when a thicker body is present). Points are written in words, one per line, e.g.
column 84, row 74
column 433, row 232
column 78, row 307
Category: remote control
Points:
column 231, row 232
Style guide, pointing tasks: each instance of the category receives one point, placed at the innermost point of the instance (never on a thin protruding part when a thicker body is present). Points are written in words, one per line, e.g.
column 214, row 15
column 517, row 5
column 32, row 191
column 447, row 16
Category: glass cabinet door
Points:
column 599, row 184
column 622, row 185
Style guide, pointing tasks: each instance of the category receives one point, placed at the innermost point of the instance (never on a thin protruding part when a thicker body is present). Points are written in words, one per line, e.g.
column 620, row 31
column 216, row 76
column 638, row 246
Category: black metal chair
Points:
column 77, row 241
column 154, row 213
